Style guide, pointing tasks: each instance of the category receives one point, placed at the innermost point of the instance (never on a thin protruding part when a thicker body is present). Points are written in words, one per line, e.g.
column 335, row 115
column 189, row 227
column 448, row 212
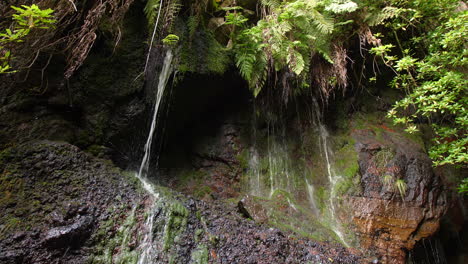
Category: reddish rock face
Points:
column 389, row 221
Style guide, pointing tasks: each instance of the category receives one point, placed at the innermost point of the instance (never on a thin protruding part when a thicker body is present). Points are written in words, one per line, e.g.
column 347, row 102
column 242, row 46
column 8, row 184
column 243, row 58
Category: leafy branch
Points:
column 26, row 19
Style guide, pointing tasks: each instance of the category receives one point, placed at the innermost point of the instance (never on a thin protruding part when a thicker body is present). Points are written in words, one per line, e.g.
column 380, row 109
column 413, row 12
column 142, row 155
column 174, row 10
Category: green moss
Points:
column 176, row 223
column 96, row 150
column 112, row 239
column 285, row 213
column 200, row 255
column 243, row 159
column 202, row 191
column 322, row 196
column 11, row 223
column 199, row 234
column 203, row 53
column 5, row 156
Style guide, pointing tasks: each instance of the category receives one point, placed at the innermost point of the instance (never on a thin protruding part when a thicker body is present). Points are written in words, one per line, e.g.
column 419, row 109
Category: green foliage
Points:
column 170, row 40
column 33, row 17
column 285, row 39
column 236, row 19
column 26, row 19
column 382, row 158
column 202, row 54
column 341, row 6
column 151, row 11
column 431, row 70
column 463, row 188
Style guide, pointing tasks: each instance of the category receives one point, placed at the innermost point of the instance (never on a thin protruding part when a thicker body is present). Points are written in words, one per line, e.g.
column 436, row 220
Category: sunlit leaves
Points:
column 33, row 17
column 405, row 63
column 25, row 20
column 341, row 6
column 435, row 85
column 170, row 40
column 236, row 19
column 284, row 39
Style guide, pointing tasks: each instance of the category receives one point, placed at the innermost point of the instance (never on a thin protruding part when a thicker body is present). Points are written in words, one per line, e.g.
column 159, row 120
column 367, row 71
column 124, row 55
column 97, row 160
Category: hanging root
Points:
column 80, row 43
column 328, row 77
column 74, row 32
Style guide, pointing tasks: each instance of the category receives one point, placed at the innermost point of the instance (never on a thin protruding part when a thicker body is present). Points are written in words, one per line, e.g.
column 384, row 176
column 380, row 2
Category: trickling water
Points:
column 146, row 244
column 275, row 166
column 163, row 78
column 255, row 186
column 310, row 193
column 333, row 178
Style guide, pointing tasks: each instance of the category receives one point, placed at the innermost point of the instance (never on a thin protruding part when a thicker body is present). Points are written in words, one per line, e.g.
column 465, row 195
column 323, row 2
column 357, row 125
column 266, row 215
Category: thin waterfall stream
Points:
column 333, row 177
column 146, row 244
column 271, row 170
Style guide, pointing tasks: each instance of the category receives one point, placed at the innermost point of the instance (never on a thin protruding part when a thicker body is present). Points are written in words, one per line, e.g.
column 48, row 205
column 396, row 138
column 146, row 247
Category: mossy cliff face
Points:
column 60, row 204
column 52, row 199
column 387, row 196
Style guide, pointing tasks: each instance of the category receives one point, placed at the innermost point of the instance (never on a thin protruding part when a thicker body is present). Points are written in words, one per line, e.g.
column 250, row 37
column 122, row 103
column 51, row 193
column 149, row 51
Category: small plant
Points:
column 401, row 186
column 388, row 181
column 170, row 40
column 33, row 17
column 380, row 160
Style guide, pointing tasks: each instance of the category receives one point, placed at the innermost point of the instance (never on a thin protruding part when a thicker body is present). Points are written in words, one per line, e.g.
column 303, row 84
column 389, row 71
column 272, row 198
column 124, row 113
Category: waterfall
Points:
column 146, row 244
column 311, row 193
column 163, row 78
column 333, row 178
column 280, row 164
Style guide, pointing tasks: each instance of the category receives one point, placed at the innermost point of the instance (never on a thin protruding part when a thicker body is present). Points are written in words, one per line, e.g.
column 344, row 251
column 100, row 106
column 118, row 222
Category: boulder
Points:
column 70, row 235
column 389, row 220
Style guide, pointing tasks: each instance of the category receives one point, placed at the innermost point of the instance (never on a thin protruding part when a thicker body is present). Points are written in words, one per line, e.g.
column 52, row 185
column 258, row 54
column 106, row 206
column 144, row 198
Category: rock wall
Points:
column 61, row 205
column 54, row 198
column 388, row 219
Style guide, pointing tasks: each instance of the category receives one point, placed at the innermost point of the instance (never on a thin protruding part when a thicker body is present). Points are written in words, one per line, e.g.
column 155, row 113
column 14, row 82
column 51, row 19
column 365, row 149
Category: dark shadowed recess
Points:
column 198, row 106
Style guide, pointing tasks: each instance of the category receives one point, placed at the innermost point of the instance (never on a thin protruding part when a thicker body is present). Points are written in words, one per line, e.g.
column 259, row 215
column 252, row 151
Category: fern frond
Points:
column 192, row 23
column 151, row 11
column 322, row 23
column 271, row 3
column 172, row 9
column 341, row 6
column 378, row 17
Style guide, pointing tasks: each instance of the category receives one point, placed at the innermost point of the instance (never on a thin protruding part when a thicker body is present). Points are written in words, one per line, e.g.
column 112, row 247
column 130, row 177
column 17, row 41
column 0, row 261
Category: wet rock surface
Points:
column 388, row 219
column 54, row 196
column 71, row 235
column 243, row 241
column 81, row 203
column 97, row 106
column 193, row 231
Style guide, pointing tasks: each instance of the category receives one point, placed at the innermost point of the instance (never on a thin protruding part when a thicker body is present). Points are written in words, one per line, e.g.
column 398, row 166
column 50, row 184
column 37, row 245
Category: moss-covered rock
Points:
column 53, row 196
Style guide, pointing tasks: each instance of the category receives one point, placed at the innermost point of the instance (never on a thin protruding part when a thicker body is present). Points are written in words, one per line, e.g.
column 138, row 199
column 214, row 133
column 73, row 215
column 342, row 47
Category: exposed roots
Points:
column 327, row 77
column 74, row 33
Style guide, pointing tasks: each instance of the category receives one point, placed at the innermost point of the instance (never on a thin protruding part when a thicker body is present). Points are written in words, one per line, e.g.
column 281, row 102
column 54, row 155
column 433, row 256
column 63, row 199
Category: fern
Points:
column 271, row 3
column 172, row 9
column 282, row 41
column 379, row 17
column 151, row 11
column 322, row 23
column 341, row 6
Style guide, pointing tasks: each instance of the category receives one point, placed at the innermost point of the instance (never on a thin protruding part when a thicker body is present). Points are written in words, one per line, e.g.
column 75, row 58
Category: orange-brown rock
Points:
column 386, row 220
column 392, row 228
